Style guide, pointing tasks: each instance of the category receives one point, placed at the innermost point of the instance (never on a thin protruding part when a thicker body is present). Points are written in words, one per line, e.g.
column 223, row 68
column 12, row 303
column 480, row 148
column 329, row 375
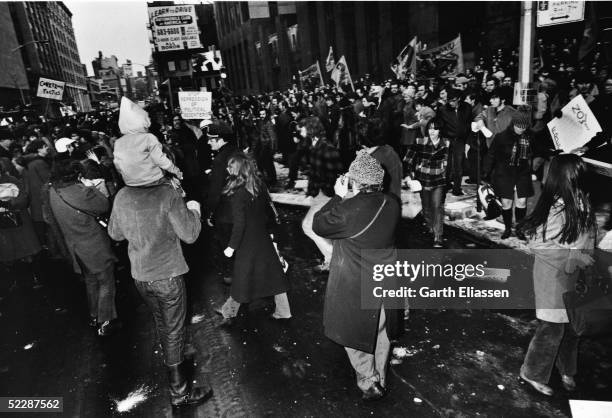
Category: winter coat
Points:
column 138, row 154
column 551, row 275
column 217, row 204
column 19, row 242
column 154, row 220
column 323, row 169
column 186, row 147
column 455, row 123
column 37, row 174
column 506, row 177
column 391, row 163
column 409, row 118
column 74, row 207
column 495, row 121
column 344, row 320
column 257, row 270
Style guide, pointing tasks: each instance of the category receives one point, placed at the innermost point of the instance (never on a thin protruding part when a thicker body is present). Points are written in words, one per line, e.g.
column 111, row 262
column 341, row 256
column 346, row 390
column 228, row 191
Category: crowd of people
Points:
column 70, row 188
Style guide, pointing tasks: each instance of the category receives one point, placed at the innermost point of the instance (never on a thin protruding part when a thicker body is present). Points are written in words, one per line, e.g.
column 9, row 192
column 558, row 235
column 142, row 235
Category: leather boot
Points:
column 520, row 215
column 181, row 390
column 507, row 215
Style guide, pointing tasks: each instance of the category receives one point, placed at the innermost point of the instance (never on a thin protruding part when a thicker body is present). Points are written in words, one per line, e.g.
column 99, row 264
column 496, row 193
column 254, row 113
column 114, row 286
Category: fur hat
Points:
column 366, row 169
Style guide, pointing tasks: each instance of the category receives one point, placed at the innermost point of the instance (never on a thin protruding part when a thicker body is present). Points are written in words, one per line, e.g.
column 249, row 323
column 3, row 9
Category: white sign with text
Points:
column 559, row 12
column 577, row 126
column 50, row 89
column 195, row 104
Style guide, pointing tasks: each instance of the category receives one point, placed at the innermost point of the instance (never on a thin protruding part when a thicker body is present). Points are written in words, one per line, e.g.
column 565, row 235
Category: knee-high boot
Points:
column 507, row 215
column 520, row 215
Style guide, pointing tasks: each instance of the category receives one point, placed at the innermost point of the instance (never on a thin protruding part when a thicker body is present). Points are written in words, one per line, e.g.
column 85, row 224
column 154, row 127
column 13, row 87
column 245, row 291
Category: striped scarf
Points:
column 520, row 150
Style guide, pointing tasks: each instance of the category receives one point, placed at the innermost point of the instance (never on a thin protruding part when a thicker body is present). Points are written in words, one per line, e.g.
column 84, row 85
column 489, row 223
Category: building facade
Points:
column 266, row 43
column 14, row 88
column 45, row 31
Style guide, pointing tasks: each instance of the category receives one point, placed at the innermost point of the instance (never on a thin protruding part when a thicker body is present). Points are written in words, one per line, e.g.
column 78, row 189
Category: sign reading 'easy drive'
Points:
column 50, row 89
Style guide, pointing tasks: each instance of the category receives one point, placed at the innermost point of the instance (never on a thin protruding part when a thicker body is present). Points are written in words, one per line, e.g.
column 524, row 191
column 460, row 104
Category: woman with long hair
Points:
column 257, row 269
column 560, row 227
column 426, row 161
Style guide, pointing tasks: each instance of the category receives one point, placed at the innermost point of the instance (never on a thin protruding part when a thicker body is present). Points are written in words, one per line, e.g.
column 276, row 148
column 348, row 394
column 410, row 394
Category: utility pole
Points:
column 526, row 45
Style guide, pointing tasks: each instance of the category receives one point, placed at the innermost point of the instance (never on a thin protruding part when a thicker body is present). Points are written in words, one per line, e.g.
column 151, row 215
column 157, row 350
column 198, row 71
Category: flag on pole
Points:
column 341, row 74
column 330, row 61
column 311, row 75
column 405, row 61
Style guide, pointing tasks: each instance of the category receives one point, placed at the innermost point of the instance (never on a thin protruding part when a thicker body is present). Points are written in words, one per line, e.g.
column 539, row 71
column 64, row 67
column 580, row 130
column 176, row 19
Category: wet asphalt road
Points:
column 460, row 363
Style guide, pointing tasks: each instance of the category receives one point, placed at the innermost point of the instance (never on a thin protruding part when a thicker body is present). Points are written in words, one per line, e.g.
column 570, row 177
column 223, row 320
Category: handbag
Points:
column 490, row 202
column 589, row 305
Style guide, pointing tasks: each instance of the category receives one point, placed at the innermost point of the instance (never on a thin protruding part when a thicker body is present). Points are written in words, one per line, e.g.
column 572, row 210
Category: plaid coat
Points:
column 323, row 169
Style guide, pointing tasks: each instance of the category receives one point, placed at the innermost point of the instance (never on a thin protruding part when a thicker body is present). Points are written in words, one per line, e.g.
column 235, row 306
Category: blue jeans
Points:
column 432, row 202
column 552, row 343
column 167, row 300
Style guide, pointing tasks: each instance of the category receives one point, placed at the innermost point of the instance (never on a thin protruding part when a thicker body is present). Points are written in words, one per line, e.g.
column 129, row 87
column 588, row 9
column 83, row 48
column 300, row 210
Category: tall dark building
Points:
column 49, row 49
column 266, row 43
column 14, row 88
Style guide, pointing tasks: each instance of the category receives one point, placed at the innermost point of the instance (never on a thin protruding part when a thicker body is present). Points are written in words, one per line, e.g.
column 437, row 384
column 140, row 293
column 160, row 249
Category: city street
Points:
column 457, row 363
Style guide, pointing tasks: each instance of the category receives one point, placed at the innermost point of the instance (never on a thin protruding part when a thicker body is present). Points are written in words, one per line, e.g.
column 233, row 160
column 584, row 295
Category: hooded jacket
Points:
column 138, row 155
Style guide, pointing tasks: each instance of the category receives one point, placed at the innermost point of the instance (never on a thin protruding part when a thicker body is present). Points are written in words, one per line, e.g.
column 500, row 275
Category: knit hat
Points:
column 521, row 120
column 365, row 169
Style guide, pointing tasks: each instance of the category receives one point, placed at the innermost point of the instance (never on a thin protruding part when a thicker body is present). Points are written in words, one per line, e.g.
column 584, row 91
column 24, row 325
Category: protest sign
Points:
column 311, row 76
column 445, row 60
column 195, row 104
column 50, row 89
column 577, row 126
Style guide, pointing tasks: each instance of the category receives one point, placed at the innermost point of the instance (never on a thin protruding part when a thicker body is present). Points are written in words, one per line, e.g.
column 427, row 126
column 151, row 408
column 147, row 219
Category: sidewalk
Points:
column 460, row 210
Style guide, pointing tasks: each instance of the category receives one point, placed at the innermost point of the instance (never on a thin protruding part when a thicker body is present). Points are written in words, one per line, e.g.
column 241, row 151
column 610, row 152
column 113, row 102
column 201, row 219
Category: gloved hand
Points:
column 193, row 205
column 229, row 251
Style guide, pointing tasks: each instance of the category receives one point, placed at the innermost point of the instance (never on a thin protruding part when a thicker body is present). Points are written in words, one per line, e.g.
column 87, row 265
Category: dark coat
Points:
column 186, row 150
column 455, row 123
column 37, row 175
column 344, row 320
column 17, row 243
column 218, row 205
column 88, row 243
column 505, row 176
column 257, row 270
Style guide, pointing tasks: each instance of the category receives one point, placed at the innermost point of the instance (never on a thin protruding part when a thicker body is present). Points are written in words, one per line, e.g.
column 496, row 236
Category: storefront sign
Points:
column 174, row 27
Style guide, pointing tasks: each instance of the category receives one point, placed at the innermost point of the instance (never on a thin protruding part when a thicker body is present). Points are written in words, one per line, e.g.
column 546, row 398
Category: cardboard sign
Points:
column 50, row 89
column 558, row 12
column 195, row 104
column 577, row 126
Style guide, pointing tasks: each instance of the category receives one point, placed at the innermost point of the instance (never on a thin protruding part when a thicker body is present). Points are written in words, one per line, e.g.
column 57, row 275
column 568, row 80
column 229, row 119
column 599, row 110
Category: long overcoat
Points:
column 21, row 241
column 552, row 276
column 257, row 270
column 344, row 320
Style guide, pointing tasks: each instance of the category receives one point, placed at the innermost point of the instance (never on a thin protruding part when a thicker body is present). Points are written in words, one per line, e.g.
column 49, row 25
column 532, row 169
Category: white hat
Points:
column 61, row 145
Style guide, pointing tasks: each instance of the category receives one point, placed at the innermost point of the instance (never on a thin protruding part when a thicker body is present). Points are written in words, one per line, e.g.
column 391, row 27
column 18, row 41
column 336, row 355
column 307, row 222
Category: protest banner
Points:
column 445, row 60
column 195, row 104
column 50, row 89
column 577, row 126
column 406, row 60
column 341, row 74
column 311, row 76
column 330, row 62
